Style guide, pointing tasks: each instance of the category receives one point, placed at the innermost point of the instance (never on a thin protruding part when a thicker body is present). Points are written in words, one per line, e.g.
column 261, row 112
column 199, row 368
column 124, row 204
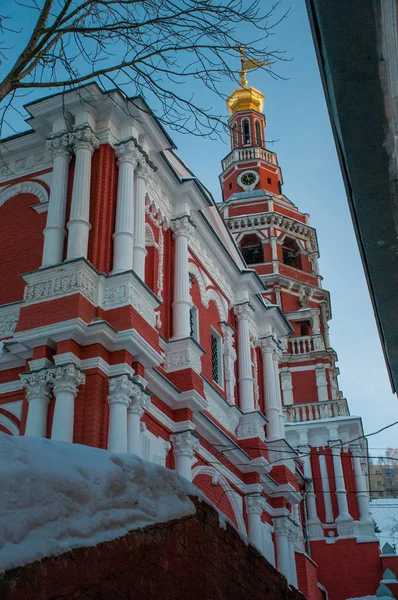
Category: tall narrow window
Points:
column 291, row 253
column 246, row 131
column 258, row 133
column 194, row 323
column 252, row 250
column 216, row 357
column 235, row 136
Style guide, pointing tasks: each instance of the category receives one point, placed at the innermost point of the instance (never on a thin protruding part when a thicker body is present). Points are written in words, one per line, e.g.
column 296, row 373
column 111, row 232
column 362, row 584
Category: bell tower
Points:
column 249, row 166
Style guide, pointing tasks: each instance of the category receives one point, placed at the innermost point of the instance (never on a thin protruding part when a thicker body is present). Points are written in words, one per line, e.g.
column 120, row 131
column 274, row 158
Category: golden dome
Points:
column 245, row 97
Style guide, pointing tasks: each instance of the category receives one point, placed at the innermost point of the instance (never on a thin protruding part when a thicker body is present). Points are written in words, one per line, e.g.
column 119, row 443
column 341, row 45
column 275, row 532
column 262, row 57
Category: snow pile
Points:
column 55, row 496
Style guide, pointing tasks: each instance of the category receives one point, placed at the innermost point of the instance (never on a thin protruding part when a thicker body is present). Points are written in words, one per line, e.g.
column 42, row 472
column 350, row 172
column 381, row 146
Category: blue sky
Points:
column 297, row 120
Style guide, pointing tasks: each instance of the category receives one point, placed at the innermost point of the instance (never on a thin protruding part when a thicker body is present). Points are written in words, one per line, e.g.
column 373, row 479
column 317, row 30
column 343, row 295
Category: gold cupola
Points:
column 245, row 97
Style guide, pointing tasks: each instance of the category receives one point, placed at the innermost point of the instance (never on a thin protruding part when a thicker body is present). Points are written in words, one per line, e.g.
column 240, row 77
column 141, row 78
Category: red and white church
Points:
column 138, row 315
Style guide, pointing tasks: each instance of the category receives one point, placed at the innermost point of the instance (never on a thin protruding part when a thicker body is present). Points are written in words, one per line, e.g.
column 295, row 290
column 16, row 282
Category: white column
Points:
column 54, row 233
column 341, row 492
column 325, row 323
column 85, row 143
column 182, row 229
column 66, row 382
column 123, row 238
column 38, row 395
column 321, row 383
column 120, row 392
column 271, row 400
column 292, row 558
column 141, row 178
column 229, row 361
column 243, row 313
column 313, row 522
column 139, row 400
column 283, row 557
column 184, row 444
column 360, row 484
column 254, row 509
column 326, row 489
column 281, row 419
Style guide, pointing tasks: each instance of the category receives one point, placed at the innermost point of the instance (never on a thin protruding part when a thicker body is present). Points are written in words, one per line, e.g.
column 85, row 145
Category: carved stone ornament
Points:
column 120, row 390
column 243, row 311
column 37, row 385
column 250, row 426
column 78, row 281
column 84, row 139
column 267, row 344
column 183, row 354
column 182, row 226
column 59, row 146
column 255, row 504
column 305, row 295
column 184, row 443
column 144, row 170
column 140, row 400
column 67, row 379
column 8, row 324
column 130, row 293
column 128, row 152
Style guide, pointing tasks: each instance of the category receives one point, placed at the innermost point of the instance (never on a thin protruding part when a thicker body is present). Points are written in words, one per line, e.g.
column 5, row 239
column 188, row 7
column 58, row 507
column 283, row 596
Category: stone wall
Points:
column 193, row 558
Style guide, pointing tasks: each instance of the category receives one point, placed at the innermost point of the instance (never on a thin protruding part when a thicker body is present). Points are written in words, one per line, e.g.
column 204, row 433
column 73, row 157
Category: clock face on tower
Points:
column 248, row 180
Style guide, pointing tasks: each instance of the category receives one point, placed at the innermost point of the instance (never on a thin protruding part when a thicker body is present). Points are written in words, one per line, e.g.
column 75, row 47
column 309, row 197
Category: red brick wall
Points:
column 347, row 569
column 307, row 577
column 21, row 234
column 190, row 558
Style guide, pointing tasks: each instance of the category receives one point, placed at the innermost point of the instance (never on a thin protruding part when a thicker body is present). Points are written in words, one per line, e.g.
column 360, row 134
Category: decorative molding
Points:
column 9, row 316
column 193, row 269
column 183, row 354
column 224, row 413
column 25, row 187
column 125, row 288
column 251, row 425
column 243, row 311
column 184, row 443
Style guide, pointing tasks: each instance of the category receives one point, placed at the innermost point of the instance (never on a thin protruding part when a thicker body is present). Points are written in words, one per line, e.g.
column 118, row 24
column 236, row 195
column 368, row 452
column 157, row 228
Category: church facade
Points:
column 139, row 316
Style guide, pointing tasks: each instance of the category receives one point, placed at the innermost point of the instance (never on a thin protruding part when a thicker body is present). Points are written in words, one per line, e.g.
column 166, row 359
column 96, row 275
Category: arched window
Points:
column 252, row 250
column 235, row 143
column 291, row 253
column 258, row 133
column 246, row 131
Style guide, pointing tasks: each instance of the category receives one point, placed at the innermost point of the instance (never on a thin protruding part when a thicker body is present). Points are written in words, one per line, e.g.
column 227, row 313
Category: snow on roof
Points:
column 55, row 496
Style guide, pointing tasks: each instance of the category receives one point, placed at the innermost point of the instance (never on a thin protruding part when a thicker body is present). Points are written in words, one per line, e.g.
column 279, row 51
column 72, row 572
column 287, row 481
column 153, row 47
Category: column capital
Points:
column 144, row 171
column 139, row 400
column 267, row 345
column 120, row 390
column 243, row 311
column 281, row 526
column 184, row 443
column 59, row 145
column 127, row 152
column 84, row 138
column 66, row 379
column 255, row 504
column 229, row 339
column 37, row 384
column 182, row 226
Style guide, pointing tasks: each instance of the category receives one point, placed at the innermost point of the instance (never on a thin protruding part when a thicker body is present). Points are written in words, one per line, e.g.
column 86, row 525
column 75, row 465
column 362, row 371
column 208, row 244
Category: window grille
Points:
column 246, row 131
column 191, row 324
column 194, row 323
column 215, row 366
column 253, row 254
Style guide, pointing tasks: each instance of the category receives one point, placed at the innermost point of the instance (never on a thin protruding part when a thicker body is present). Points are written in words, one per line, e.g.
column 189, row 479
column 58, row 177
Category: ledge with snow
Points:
column 79, row 522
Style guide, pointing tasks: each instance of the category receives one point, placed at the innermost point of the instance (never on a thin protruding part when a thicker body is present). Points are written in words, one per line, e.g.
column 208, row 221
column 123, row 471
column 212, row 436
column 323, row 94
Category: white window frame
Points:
column 243, row 132
column 220, row 358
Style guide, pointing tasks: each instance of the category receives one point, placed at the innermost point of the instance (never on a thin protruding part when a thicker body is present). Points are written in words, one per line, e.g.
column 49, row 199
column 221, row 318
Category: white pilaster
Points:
column 120, row 391
column 184, row 444
column 139, row 400
column 229, row 361
column 314, row 527
column 325, row 325
column 271, row 399
column 341, row 493
column 182, row 229
column 54, row 233
column 243, row 313
column 141, row 177
column 254, row 509
column 287, row 386
column 84, row 142
column 321, row 383
column 365, row 519
column 283, row 557
column 326, row 489
column 66, row 382
column 281, row 419
column 38, row 393
column 123, row 238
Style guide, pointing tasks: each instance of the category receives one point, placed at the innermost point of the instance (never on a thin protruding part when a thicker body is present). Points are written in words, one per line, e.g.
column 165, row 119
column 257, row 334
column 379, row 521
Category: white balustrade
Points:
column 306, row 344
column 248, row 154
column 314, row 411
